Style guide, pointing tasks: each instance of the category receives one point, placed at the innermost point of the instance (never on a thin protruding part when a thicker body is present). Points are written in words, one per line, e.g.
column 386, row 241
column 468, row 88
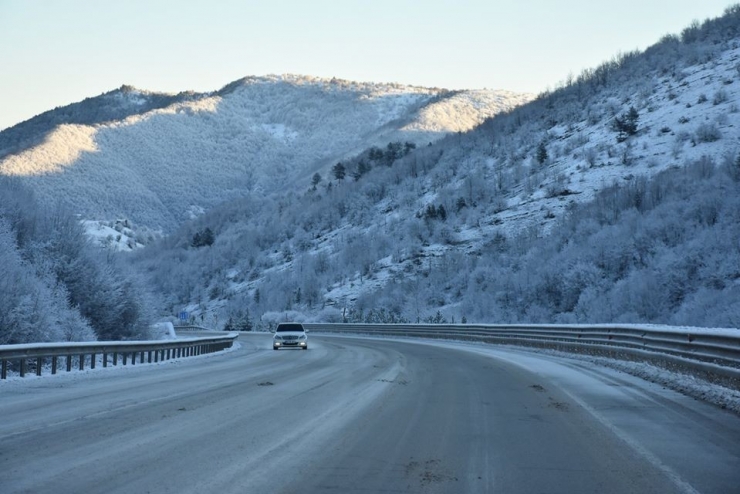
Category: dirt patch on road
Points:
column 429, row 472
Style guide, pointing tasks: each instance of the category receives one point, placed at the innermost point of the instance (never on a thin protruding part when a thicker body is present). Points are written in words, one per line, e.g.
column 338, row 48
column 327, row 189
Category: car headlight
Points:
column 302, row 337
column 278, row 338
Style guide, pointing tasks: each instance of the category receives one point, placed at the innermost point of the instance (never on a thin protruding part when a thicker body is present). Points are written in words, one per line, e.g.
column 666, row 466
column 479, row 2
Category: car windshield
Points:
column 289, row 327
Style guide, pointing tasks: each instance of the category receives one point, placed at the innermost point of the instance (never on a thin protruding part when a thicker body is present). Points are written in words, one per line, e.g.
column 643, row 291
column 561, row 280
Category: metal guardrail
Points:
column 37, row 355
column 713, row 354
column 188, row 327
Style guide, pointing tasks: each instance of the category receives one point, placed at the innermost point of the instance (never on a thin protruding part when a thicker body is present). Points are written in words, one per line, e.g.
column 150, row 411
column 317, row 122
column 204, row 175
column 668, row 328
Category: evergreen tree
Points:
column 203, row 238
column 442, row 212
column 541, row 153
column 375, row 154
column 362, row 169
column 393, row 152
column 315, row 180
column 626, row 125
column 339, row 171
column 245, row 324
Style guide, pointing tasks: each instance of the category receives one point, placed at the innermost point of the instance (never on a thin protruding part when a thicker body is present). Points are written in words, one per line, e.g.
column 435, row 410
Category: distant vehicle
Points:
column 290, row 335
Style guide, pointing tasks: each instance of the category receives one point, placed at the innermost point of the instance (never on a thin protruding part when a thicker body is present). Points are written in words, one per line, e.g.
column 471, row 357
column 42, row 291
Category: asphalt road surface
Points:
column 362, row 415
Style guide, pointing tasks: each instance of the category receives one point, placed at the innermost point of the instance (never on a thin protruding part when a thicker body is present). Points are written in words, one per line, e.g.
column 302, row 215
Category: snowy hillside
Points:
column 169, row 155
column 574, row 207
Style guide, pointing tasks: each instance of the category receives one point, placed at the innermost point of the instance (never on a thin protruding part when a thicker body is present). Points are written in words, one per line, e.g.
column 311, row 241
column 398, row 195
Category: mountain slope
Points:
column 468, row 227
column 158, row 160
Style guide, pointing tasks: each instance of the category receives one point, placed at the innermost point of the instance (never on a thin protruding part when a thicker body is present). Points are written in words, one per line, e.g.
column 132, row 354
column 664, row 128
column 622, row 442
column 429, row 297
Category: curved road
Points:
column 362, row 415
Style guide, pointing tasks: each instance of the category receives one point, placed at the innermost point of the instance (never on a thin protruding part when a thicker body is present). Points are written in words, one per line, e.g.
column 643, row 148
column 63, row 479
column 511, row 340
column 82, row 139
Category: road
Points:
column 362, row 415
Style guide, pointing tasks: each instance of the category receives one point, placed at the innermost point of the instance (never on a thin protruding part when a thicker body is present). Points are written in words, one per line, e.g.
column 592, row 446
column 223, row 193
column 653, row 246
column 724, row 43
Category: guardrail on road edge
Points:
column 152, row 351
column 711, row 354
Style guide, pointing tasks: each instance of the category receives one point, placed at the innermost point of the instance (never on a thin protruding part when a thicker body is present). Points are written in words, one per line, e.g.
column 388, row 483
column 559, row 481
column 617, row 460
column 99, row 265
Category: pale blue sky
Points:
column 55, row 52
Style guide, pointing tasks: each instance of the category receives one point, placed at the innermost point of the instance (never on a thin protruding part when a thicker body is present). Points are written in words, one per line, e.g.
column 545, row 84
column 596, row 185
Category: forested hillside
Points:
column 55, row 286
column 612, row 198
column 157, row 160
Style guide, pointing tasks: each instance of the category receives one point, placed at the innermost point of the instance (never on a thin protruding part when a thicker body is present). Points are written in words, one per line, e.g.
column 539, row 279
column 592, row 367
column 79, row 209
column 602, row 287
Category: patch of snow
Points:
column 111, row 237
column 279, row 131
column 163, row 330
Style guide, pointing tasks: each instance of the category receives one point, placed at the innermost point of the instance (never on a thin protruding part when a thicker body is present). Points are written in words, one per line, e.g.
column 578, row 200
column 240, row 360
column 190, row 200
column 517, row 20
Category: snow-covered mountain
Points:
column 157, row 159
column 574, row 207
column 614, row 198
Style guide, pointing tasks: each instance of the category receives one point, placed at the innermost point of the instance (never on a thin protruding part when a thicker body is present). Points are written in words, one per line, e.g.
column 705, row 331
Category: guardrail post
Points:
column 34, row 358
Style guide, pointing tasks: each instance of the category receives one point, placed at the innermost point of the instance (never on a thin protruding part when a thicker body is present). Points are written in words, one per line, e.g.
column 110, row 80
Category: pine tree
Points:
column 315, row 180
column 442, row 212
column 339, row 171
column 203, row 238
column 541, row 153
column 626, row 125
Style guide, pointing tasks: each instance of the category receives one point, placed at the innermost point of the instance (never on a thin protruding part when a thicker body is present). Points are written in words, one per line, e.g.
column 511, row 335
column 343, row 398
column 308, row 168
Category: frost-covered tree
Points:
column 60, row 287
column 521, row 242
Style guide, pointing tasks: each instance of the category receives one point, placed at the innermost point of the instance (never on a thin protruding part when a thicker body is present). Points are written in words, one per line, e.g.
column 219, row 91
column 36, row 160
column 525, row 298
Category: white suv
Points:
column 290, row 335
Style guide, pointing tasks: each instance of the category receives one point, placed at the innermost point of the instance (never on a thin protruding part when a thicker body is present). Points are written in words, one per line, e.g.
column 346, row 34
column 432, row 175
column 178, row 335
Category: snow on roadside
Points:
column 76, row 374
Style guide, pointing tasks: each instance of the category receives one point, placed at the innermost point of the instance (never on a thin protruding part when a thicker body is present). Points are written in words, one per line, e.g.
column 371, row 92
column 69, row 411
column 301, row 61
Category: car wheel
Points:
column 274, row 348
column 305, row 347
